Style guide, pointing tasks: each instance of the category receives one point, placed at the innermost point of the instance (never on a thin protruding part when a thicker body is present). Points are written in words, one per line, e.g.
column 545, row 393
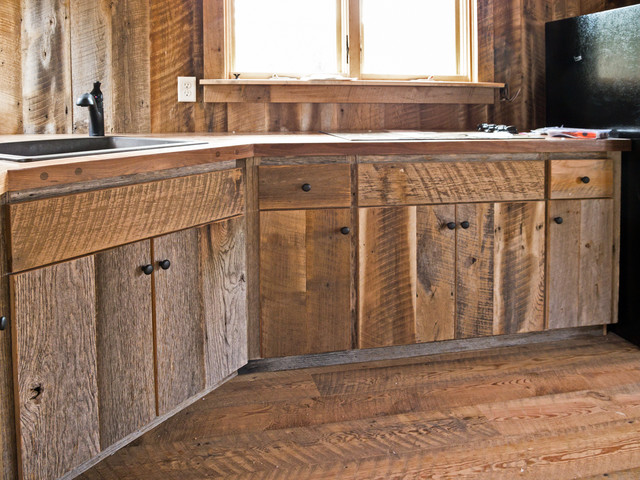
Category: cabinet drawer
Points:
column 581, row 178
column 304, row 186
column 55, row 229
column 382, row 184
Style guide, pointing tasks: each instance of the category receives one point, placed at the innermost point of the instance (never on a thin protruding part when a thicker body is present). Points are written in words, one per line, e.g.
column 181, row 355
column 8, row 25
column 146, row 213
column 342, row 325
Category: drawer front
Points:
column 304, row 186
column 581, row 178
column 382, row 184
column 60, row 228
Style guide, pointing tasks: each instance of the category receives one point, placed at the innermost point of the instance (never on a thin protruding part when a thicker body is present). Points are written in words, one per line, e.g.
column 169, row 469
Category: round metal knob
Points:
column 558, row 220
column 306, row 187
column 585, row 179
column 147, row 269
column 451, row 225
column 164, row 264
column 345, row 230
column 3, row 323
column 464, row 224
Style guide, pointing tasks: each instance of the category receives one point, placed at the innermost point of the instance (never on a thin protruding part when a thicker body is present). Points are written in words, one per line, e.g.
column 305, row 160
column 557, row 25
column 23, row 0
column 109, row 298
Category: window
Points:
column 399, row 39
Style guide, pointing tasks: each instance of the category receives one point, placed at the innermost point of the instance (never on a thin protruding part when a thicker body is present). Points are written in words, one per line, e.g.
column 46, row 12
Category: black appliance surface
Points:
column 593, row 81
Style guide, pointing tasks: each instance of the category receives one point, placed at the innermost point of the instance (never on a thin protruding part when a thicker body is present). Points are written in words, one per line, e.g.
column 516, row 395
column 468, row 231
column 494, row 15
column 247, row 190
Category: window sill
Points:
column 348, row 91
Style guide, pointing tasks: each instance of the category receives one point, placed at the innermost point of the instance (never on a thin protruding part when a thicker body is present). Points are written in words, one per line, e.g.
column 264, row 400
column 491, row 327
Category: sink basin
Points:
column 34, row 150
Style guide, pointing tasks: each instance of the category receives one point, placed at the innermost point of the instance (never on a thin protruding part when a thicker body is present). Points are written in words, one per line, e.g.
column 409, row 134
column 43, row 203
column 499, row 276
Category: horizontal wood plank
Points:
column 55, row 229
column 581, row 178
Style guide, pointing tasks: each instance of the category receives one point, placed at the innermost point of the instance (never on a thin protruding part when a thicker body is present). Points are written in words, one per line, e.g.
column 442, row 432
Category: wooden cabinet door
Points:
column 200, row 303
column 581, row 247
column 54, row 328
column 305, row 281
column 440, row 272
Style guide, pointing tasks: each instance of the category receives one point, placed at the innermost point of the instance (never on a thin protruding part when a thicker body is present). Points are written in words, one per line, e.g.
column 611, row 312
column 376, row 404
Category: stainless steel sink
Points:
column 34, row 150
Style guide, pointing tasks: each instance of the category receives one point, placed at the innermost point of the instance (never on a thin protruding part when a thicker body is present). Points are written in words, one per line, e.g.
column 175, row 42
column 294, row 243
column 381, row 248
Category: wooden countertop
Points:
column 229, row 147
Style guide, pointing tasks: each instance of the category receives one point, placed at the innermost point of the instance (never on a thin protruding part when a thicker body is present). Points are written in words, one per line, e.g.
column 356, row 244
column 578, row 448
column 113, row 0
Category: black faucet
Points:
column 93, row 100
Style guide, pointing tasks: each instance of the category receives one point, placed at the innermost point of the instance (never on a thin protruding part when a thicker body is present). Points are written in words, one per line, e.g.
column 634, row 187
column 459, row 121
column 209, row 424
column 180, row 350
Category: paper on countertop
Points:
column 394, row 135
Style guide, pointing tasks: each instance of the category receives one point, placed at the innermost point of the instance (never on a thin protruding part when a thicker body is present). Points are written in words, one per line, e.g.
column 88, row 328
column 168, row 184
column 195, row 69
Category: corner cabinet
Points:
column 107, row 342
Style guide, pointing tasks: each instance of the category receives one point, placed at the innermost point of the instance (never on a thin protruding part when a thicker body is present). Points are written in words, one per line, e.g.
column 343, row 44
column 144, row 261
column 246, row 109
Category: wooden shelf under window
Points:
column 347, row 91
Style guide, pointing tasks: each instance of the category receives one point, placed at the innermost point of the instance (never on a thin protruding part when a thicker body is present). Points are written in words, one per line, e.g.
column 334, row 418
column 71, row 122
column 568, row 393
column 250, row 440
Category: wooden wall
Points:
column 137, row 48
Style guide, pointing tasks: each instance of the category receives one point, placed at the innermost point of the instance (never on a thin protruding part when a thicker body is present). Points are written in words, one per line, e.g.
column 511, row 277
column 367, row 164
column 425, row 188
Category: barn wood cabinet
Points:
column 106, row 342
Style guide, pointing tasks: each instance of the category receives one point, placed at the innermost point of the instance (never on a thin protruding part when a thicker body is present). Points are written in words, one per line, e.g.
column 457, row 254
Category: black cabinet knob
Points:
column 164, row 264
column 345, row 230
column 3, row 323
column 465, row 224
column 451, row 225
column 306, row 187
column 558, row 220
column 585, row 179
column 147, row 269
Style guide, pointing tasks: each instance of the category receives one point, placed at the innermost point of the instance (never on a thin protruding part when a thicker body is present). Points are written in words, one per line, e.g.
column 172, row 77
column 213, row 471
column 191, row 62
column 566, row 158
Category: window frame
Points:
column 349, row 60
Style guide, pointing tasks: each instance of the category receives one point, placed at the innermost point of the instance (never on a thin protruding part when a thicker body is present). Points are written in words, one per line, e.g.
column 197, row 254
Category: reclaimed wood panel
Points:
column 387, row 280
column 566, row 178
column 519, row 267
column 214, row 39
column 54, row 229
column 449, row 182
column 46, row 73
column 54, row 315
column 10, row 68
column 224, row 297
column 475, row 270
column 280, row 187
column 179, row 319
column 253, row 257
column 305, row 282
column 581, row 279
column 125, row 346
column 436, row 270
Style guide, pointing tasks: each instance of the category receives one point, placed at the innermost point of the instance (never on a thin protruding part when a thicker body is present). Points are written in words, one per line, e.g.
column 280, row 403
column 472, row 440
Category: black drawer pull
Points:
column 585, row 179
column 451, row 225
column 558, row 220
column 306, row 187
column 147, row 269
column 465, row 224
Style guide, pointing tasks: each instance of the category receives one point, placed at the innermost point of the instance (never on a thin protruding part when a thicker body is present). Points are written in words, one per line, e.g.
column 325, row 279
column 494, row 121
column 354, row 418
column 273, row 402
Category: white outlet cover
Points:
column 186, row 89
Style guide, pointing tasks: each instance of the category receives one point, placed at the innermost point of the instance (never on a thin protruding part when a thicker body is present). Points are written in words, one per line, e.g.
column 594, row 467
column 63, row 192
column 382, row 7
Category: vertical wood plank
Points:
column 91, row 44
column 126, row 378
column 596, row 262
column 224, row 297
column 436, row 270
column 564, row 263
column 55, row 353
column 10, row 67
column 519, row 256
column 387, row 285
column 214, row 39
column 130, row 68
column 485, row 40
column 474, row 270
column 8, row 445
column 46, row 67
column 253, row 257
column 616, row 158
column 179, row 319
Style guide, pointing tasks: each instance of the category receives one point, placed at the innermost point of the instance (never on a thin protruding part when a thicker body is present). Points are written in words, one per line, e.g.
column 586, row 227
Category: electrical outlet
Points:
column 186, row 89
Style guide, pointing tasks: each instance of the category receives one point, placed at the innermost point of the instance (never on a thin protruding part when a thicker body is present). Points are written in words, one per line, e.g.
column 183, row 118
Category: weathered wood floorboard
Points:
column 560, row 410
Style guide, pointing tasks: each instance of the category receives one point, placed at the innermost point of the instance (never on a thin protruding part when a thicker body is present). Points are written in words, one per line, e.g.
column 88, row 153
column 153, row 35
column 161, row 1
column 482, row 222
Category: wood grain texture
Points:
column 475, row 270
column 125, row 346
column 224, row 297
column 387, row 281
column 566, row 178
column 45, row 231
column 56, row 372
column 558, row 410
column 305, row 281
column 436, row 270
column 8, row 445
column 10, row 68
column 46, row 62
column 447, row 182
column 280, row 187
column 179, row 319
column 252, row 217
column 581, row 279
column 214, row 39
column 519, row 267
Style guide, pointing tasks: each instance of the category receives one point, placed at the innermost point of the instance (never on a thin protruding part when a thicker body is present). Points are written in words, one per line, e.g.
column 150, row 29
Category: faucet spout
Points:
column 93, row 101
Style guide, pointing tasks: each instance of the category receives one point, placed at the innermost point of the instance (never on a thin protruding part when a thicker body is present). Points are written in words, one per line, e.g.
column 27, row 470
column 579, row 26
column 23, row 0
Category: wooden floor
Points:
column 551, row 411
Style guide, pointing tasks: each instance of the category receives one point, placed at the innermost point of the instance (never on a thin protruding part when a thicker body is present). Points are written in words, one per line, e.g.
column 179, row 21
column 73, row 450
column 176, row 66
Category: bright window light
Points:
column 296, row 37
column 410, row 37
